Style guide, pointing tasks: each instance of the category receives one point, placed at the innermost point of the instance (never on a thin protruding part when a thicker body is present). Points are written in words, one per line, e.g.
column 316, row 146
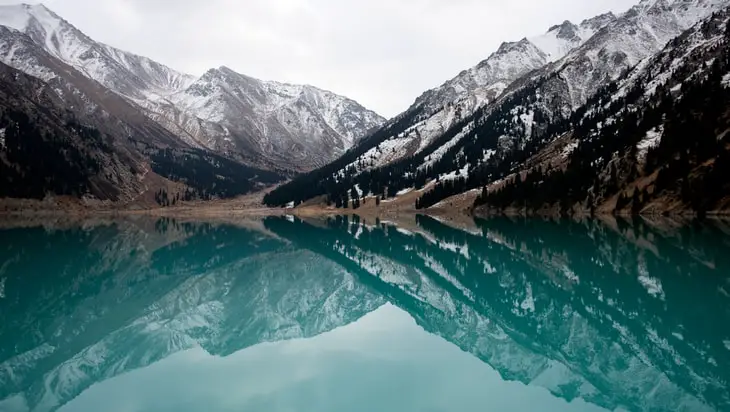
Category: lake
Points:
column 283, row 314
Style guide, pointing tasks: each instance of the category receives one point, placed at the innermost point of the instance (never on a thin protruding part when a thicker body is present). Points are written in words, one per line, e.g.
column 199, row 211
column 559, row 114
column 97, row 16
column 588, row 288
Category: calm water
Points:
column 286, row 315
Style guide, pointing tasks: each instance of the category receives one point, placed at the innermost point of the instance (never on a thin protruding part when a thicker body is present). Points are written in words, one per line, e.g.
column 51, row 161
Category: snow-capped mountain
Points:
column 652, row 142
column 127, row 74
column 619, row 44
column 269, row 124
column 488, row 79
column 639, row 33
column 465, row 149
column 437, row 110
column 293, row 126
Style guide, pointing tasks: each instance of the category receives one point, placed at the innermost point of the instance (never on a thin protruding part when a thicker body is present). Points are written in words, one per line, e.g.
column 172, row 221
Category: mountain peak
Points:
column 596, row 23
column 561, row 26
column 18, row 16
column 566, row 31
column 507, row 47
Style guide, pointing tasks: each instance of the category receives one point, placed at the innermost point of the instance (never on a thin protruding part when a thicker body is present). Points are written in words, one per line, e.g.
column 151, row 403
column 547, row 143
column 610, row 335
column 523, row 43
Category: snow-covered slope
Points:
column 294, row 126
column 639, row 33
column 625, row 143
column 437, row 110
column 472, row 144
column 264, row 123
column 130, row 75
column 556, row 90
column 560, row 87
column 489, row 78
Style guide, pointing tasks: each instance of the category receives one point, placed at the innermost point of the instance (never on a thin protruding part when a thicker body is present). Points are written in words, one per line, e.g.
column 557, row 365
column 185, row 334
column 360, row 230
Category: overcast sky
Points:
column 382, row 53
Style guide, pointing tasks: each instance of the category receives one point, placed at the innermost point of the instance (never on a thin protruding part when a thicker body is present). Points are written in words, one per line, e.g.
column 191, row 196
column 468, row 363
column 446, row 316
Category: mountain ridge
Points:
column 316, row 130
column 479, row 147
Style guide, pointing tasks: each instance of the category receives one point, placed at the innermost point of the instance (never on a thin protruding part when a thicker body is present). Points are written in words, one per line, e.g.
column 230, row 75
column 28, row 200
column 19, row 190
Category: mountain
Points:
column 655, row 141
column 43, row 149
column 110, row 150
column 260, row 123
column 438, row 110
column 290, row 126
column 478, row 148
column 129, row 75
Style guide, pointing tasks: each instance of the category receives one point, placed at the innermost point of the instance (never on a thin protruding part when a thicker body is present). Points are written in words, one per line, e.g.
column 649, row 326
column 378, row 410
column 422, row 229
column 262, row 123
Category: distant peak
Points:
column 566, row 23
column 35, row 7
column 507, row 47
column 598, row 22
column 18, row 16
column 220, row 70
column 567, row 30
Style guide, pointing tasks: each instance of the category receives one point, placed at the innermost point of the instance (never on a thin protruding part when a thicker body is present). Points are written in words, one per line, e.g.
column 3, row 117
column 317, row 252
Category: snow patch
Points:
column 726, row 80
column 651, row 140
column 462, row 173
column 569, row 149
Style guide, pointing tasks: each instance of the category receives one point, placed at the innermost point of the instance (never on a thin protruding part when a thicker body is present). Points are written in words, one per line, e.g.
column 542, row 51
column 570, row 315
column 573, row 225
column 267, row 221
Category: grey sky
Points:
column 383, row 53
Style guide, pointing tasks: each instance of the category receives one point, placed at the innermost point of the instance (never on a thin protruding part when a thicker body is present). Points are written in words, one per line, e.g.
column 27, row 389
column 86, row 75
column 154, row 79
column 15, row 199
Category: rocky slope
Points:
column 480, row 147
column 260, row 123
column 290, row 126
column 437, row 110
column 45, row 149
column 110, row 150
column 653, row 142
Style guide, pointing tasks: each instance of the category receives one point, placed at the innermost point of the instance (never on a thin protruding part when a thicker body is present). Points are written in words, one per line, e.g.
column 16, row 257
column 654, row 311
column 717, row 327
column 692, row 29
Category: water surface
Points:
column 343, row 315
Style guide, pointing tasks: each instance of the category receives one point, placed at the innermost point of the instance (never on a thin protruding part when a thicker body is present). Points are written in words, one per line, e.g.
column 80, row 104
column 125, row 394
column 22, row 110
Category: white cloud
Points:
column 383, row 53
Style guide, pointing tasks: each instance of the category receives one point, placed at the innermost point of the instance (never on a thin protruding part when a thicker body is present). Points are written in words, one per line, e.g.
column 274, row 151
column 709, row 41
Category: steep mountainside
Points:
column 655, row 141
column 479, row 147
column 132, row 76
column 43, row 149
column 261, row 123
column 292, row 126
column 437, row 110
column 72, row 137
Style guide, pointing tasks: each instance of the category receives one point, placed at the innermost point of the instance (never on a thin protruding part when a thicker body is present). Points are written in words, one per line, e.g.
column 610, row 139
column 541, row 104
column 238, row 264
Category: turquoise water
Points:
column 343, row 315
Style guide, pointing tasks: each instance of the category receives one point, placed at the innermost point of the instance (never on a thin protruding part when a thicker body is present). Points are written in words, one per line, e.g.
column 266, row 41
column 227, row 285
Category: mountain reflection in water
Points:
column 616, row 315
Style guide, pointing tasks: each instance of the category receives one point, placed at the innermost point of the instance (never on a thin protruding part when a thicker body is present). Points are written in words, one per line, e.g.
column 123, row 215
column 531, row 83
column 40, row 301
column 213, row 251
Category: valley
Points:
column 623, row 113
